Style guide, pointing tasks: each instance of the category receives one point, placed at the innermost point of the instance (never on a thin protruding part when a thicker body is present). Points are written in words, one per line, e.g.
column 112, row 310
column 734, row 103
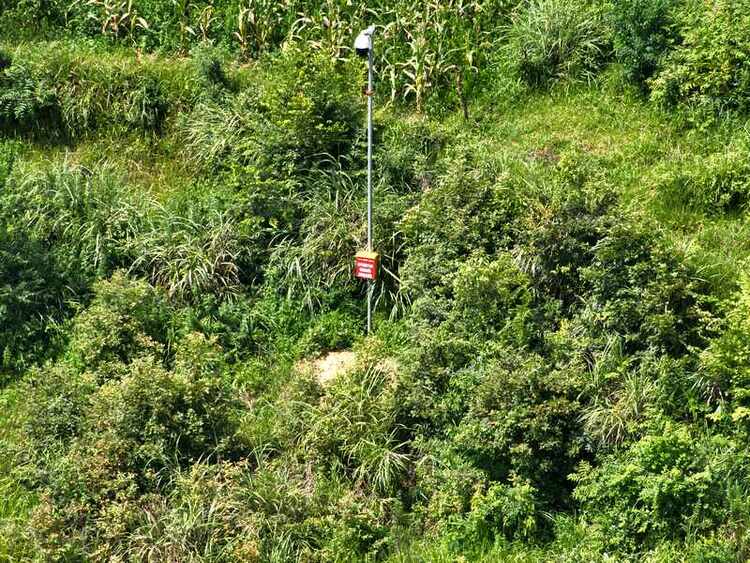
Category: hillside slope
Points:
column 559, row 366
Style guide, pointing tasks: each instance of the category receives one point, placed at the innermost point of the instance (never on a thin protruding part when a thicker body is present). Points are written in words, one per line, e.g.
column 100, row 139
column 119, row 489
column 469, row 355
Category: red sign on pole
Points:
column 366, row 265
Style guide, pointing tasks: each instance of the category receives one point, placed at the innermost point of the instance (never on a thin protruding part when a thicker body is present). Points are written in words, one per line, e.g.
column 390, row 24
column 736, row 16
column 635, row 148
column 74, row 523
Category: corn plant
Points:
column 117, row 18
column 262, row 25
column 329, row 26
column 206, row 20
column 182, row 9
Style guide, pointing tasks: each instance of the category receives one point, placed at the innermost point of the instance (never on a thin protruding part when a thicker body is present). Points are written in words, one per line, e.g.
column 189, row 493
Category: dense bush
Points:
column 711, row 184
column 121, row 439
column 635, row 288
column 67, row 92
column 644, row 31
column 664, row 486
column 709, row 72
column 82, row 215
column 285, row 121
column 556, row 380
column 723, row 376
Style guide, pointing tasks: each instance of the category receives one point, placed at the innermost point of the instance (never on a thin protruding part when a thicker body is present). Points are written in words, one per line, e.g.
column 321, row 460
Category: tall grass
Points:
column 189, row 256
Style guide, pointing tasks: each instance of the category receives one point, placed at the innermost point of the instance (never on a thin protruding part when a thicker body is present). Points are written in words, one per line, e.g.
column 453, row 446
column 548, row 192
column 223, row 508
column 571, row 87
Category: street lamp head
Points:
column 363, row 43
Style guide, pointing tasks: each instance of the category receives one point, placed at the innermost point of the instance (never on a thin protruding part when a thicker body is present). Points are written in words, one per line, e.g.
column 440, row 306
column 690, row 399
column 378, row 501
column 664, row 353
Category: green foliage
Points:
column 331, row 331
column 521, row 420
column 644, row 32
column 712, row 185
column 550, row 40
column 24, row 103
column 708, row 72
column 482, row 204
column 190, row 256
column 502, row 509
column 556, row 381
column 66, row 92
column 32, row 300
column 285, row 121
column 664, row 486
column 83, row 215
column 355, row 431
column 125, row 320
column 638, row 290
column 723, row 376
column 134, row 431
column 563, row 227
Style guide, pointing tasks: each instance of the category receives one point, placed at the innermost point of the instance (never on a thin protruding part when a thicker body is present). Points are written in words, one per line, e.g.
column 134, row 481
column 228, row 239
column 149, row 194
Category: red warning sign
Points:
column 366, row 265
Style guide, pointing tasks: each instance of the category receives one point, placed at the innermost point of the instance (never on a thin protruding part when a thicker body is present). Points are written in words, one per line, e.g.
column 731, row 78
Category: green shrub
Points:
column 200, row 518
column 33, row 296
column 190, row 256
column 471, row 209
column 709, row 73
column 445, row 486
column 509, row 511
column 457, row 501
column 331, row 331
column 300, row 109
column 23, row 18
column 490, row 298
column 354, row 430
column 407, row 152
column 657, row 489
column 644, row 31
column 35, row 280
column 126, row 319
column 637, row 288
column 25, row 104
column 58, row 401
column 724, row 371
column 552, row 40
column 709, row 184
column 522, row 420
column 67, row 90
column 561, row 232
column 84, row 216
column 133, row 434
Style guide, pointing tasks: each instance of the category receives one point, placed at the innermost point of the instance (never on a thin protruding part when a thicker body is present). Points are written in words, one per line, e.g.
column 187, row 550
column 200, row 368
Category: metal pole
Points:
column 370, row 93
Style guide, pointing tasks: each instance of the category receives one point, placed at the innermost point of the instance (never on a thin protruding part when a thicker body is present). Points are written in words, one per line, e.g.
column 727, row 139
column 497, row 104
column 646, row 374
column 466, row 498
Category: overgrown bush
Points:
column 83, row 215
column 291, row 116
column 521, row 420
column 644, row 32
column 335, row 330
column 637, row 289
column 662, row 487
column 191, row 256
column 711, row 184
column 709, row 73
column 68, row 91
column 134, row 431
column 369, row 445
column 482, row 206
column 723, row 375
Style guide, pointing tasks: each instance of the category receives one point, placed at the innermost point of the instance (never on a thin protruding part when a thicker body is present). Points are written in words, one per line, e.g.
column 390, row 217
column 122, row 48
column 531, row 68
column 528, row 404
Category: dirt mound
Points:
column 328, row 367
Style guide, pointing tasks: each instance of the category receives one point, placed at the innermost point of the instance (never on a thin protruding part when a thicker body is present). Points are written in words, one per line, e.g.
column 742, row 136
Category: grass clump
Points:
column 551, row 40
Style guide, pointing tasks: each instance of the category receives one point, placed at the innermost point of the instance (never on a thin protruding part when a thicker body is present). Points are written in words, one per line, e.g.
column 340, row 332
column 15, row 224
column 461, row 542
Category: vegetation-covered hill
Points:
column 560, row 366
